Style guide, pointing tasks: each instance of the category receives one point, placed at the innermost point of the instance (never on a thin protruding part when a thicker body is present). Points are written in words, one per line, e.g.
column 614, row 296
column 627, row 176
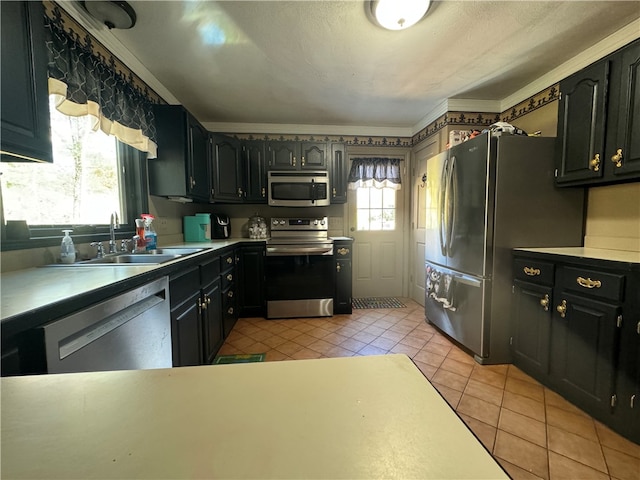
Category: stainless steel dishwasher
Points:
column 128, row 332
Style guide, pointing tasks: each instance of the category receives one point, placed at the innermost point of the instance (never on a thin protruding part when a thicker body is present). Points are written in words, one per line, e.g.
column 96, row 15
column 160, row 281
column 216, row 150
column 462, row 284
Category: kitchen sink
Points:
column 136, row 258
column 151, row 257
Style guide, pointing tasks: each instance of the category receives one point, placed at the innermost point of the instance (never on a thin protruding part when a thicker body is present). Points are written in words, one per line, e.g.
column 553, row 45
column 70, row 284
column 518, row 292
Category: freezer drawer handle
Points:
column 588, row 283
column 532, row 272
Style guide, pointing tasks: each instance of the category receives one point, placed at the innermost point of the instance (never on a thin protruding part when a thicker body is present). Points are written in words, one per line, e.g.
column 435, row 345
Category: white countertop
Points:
column 30, row 289
column 595, row 253
column 356, row 417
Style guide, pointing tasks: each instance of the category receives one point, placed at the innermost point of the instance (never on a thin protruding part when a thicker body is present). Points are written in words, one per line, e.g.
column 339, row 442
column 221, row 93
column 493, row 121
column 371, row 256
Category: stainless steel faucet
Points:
column 114, row 222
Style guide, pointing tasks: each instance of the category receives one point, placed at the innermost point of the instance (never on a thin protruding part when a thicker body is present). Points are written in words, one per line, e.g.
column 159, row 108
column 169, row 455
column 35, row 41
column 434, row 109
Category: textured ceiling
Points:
column 326, row 63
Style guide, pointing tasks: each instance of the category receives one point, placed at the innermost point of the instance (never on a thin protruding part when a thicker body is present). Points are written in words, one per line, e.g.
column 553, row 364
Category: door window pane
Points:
column 376, row 208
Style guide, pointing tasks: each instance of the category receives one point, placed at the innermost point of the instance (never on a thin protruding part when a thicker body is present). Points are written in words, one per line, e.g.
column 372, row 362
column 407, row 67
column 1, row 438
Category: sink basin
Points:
column 136, row 258
column 152, row 257
column 175, row 251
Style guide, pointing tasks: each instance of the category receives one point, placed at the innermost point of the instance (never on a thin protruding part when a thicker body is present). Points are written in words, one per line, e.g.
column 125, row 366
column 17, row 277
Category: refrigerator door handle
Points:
column 443, row 208
column 453, row 201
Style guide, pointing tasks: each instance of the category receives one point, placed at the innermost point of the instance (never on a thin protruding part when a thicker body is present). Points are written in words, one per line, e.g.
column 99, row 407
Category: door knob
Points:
column 352, row 229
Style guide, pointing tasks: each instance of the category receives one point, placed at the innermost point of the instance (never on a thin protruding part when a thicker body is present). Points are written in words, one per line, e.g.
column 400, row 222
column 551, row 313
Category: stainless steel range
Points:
column 299, row 268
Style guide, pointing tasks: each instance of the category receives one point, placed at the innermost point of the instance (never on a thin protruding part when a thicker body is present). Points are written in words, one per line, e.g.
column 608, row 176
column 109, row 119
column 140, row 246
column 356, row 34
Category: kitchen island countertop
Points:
column 586, row 252
column 356, row 417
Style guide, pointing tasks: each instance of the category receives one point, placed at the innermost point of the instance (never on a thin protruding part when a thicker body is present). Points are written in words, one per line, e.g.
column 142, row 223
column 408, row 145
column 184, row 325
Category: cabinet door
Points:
column 581, row 125
column 584, row 348
column 227, row 173
column 627, row 411
column 531, row 328
column 212, row 320
column 251, row 281
column 339, row 173
column 342, row 301
column 198, row 160
column 313, row 156
column 255, row 172
column 283, row 155
column 185, row 333
column 26, row 126
column 623, row 150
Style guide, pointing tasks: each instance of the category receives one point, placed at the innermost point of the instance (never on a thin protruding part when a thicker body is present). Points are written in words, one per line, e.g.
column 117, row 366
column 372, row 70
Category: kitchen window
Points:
column 93, row 175
column 376, row 208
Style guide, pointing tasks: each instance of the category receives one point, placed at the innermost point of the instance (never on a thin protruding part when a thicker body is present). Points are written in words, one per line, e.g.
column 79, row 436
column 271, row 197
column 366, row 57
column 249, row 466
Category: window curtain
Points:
column 84, row 83
column 375, row 172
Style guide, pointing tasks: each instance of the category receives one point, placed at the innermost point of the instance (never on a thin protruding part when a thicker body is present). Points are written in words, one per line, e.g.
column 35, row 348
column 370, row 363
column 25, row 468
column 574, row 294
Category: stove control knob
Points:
column 282, row 222
column 274, row 221
column 322, row 222
column 315, row 222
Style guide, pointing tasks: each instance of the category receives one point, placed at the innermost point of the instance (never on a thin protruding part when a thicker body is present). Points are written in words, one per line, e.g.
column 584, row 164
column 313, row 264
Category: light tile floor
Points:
column 532, row 431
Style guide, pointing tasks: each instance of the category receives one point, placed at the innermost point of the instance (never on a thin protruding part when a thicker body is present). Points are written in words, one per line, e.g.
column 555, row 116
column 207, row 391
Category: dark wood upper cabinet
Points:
column 227, row 169
column 598, row 138
column 290, row 155
column 255, row 171
column 26, row 125
column 182, row 166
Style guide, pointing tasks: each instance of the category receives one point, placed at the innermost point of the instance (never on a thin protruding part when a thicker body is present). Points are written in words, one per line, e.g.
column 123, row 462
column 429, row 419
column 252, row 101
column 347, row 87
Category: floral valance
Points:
column 375, row 172
column 87, row 84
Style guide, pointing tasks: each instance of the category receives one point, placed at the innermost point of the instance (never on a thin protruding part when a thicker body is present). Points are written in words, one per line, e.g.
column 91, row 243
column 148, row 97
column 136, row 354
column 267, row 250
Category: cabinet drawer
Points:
column 183, row 284
column 227, row 260
column 533, row 271
column 342, row 251
column 210, row 270
column 228, row 278
column 593, row 283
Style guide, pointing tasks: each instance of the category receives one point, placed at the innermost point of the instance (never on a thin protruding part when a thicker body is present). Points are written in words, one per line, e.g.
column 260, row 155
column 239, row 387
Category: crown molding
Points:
column 456, row 105
column 101, row 33
column 592, row 54
column 285, row 129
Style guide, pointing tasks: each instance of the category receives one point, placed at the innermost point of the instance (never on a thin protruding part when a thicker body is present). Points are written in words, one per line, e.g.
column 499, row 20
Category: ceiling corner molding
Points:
column 270, row 129
column 101, row 33
column 603, row 48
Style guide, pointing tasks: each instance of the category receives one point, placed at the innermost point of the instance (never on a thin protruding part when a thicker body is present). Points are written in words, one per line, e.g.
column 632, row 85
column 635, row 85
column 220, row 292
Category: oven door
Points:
column 299, row 284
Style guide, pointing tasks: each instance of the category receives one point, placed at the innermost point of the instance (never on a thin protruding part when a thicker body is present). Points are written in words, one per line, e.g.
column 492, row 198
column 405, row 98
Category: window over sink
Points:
column 92, row 175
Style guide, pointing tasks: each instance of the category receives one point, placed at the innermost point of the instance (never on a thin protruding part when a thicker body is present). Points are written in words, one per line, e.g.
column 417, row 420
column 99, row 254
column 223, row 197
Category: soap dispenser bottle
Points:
column 67, row 249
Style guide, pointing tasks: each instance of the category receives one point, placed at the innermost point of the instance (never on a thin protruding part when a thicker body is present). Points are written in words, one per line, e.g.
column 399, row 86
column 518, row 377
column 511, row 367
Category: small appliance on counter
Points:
column 197, row 228
column 220, row 226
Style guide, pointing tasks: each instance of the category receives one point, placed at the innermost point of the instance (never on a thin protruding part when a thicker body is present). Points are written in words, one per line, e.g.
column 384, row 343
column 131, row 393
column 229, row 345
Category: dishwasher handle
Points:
column 81, row 339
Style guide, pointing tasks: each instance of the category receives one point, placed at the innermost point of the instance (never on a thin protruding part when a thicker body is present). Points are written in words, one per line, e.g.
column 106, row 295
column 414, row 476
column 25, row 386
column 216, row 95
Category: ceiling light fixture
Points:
column 399, row 14
column 112, row 14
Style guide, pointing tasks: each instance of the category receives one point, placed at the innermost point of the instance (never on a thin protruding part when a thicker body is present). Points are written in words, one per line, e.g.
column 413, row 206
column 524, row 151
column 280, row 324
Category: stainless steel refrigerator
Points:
column 485, row 197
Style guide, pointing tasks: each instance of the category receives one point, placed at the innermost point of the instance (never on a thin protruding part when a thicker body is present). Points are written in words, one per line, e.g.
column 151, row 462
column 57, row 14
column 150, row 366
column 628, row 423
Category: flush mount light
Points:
column 399, row 14
column 112, row 14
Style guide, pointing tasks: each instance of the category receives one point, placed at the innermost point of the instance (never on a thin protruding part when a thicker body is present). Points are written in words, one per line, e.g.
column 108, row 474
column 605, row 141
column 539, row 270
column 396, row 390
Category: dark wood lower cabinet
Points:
column 250, row 268
column 211, row 307
column 586, row 347
column 531, row 327
column 342, row 251
column 186, row 330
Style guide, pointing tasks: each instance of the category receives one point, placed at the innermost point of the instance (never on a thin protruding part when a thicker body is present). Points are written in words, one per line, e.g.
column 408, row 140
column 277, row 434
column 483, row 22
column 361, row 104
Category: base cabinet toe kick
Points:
column 576, row 329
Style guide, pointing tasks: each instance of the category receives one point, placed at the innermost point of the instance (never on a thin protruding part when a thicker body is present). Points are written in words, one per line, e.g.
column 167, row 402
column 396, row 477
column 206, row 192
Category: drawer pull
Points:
column 230, row 294
column 545, row 302
column 343, row 251
column 532, row 272
column 588, row 283
column 617, row 158
column 230, row 277
column 338, row 268
column 594, row 163
column 632, row 404
column 562, row 308
column 230, row 311
column 229, row 260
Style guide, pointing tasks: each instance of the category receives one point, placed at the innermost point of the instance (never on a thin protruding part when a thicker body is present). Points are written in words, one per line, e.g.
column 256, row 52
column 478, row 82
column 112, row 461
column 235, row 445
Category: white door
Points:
column 377, row 222
column 419, row 219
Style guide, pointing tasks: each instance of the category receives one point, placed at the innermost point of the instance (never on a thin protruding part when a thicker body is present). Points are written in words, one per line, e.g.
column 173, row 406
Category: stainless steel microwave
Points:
column 298, row 189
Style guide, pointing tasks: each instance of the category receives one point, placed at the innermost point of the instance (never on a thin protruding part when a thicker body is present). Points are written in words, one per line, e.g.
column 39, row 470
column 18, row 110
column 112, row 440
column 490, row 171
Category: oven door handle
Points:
column 273, row 251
